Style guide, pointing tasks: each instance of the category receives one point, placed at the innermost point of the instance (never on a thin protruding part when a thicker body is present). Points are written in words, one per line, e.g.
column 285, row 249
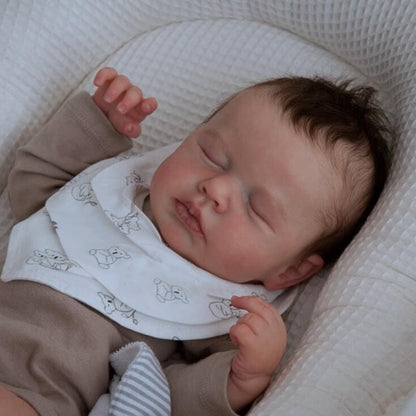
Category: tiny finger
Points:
column 132, row 130
column 255, row 305
column 123, row 125
column 104, row 75
column 143, row 109
column 132, row 98
column 149, row 105
column 117, row 87
column 240, row 333
column 254, row 321
column 249, row 303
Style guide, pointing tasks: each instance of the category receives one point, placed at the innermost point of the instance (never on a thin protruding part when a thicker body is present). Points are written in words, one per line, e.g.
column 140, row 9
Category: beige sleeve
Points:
column 200, row 388
column 77, row 136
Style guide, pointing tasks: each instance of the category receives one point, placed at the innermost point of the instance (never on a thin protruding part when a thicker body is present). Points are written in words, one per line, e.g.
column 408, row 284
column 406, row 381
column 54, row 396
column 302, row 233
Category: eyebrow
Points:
column 215, row 136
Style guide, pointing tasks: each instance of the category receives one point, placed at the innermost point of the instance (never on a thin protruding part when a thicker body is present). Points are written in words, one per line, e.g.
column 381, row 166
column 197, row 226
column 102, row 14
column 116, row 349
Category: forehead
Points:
column 248, row 122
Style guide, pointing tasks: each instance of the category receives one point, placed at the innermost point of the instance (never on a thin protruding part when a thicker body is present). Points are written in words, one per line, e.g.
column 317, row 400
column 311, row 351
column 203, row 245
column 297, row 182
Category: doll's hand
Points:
column 260, row 336
column 121, row 102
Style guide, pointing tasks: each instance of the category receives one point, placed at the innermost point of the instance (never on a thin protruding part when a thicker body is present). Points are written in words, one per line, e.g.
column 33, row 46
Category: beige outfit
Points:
column 53, row 349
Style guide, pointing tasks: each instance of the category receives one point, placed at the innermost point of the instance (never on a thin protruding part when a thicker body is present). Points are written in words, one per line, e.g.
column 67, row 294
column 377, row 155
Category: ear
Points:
column 296, row 273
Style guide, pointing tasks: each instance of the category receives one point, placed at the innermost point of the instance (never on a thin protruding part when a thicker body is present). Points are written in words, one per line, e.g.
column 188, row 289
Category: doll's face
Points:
column 243, row 195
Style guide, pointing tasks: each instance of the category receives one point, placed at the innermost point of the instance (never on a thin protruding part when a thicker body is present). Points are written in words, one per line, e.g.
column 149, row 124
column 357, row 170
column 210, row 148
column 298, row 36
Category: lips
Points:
column 189, row 216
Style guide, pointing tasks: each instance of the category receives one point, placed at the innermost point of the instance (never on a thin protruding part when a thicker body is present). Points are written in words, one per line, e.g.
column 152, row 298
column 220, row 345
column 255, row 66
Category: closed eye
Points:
column 210, row 159
column 258, row 213
column 255, row 211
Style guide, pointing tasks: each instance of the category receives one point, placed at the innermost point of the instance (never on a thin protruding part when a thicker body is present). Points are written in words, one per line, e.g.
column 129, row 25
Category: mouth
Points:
column 190, row 216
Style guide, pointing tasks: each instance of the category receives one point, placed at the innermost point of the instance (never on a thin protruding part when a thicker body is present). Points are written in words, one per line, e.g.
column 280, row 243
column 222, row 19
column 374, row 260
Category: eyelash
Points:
column 254, row 210
column 256, row 213
column 210, row 159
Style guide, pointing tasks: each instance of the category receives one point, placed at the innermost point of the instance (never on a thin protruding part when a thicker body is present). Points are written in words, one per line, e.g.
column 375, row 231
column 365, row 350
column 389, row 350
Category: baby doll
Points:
column 273, row 183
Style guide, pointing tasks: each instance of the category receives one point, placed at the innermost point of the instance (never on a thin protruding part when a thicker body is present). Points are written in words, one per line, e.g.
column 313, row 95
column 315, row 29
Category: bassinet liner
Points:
column 352, row 329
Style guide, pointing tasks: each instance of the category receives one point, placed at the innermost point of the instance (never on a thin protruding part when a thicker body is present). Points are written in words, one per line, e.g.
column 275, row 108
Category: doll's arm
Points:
column 224, row 380
column 200, row 388
column 85, row 130
column 77, row 136
column 198, row 377
column 261, row 337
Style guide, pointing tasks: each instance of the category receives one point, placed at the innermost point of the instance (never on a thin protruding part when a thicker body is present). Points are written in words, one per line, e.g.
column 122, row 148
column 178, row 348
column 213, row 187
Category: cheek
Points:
column 238, row 250
column 165, row 174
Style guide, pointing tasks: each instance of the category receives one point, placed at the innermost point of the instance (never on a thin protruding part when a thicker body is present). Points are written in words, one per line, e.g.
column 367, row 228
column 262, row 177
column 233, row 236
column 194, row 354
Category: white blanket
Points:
column 352, row 349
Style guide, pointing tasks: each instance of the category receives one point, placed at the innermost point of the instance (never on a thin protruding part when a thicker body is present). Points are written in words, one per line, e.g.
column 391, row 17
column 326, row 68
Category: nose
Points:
column 219, row 190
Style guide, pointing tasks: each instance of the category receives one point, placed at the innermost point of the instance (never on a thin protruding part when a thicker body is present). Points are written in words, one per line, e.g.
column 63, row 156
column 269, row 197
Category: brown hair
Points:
column 338, row 114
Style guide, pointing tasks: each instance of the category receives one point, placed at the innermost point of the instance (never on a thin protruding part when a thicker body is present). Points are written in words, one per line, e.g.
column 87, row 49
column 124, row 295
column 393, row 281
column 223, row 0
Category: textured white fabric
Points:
column 93, row 242
column 353, row 351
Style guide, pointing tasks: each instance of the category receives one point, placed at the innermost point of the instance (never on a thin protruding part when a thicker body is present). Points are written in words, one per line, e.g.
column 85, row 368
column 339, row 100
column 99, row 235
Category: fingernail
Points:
column 121, row 109
column 107, row 98
column 146, row 107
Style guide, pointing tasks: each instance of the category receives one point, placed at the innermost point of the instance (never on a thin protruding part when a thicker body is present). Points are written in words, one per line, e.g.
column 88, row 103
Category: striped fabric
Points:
column 143, row 389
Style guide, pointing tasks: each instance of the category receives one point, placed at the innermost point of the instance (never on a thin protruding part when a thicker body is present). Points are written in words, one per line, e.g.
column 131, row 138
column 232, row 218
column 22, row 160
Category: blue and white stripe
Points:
column 143, row 389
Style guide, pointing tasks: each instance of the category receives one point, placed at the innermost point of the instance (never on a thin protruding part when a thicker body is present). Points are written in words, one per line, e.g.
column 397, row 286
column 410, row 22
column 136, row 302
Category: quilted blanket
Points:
column 352, row 333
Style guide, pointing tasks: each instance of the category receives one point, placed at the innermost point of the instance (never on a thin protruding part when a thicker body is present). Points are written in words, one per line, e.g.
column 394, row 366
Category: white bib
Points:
column 93, row 243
